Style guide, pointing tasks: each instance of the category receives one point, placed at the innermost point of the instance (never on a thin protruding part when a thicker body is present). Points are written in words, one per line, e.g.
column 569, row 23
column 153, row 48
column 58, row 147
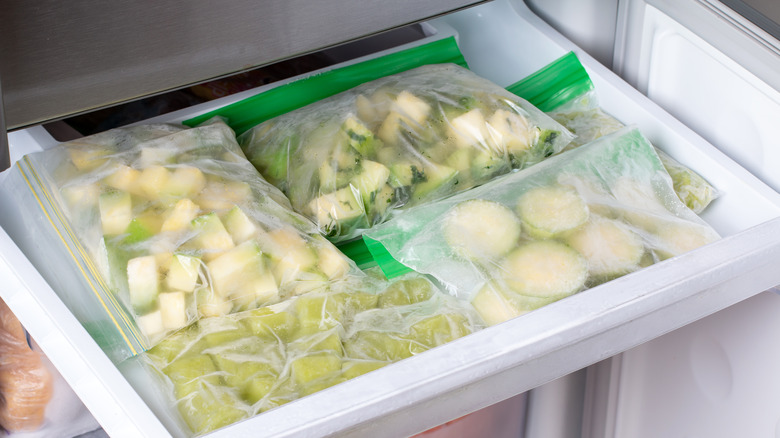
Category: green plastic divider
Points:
column 245, row 114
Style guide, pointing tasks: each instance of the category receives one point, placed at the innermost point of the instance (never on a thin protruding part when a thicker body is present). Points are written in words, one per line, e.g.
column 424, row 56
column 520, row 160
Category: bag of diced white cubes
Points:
column 143, row 230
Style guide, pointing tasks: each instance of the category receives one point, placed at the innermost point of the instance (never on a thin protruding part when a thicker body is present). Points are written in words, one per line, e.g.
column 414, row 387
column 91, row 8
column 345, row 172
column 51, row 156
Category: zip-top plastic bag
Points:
column 533, row 237
column 564, row 90
column 224, row 369
column 143, row 230
column 348, row 161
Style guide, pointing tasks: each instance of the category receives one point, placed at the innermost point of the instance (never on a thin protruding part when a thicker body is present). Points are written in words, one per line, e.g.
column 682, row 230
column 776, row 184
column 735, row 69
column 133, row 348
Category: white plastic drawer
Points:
column 503, row 41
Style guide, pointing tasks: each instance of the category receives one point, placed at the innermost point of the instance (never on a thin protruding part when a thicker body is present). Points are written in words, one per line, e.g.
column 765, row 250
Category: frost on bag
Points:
column 225, row 369
column 349, row 160
column 591, row 123
column 564, row 91
column 533, row 237
column 174, row 224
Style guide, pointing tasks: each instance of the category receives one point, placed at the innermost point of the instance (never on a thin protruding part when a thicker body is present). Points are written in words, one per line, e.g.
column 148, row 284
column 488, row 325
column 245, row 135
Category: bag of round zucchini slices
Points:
column 224, row 369
column 575, row 105
column 348, row 161
column 529, row 238
column 156, row 226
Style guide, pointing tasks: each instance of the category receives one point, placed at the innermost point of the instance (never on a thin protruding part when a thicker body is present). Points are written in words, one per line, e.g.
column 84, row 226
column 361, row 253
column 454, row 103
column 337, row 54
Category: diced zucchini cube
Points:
column 183, row 273
column 126, row 179
column 153, row 180
column 337, row 210
column 180, row 216
column 143, row 282
column 241, row 271
column 151, row 324
column 211, row 236
column 173, row 309
column 116, row 211
column 185, row 182
column 238, row 224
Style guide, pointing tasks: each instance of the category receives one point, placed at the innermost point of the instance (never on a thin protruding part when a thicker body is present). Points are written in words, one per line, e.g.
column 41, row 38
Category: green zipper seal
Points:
column 391, row 267
column 555, row 84
column 358, row 252
column 245, row 114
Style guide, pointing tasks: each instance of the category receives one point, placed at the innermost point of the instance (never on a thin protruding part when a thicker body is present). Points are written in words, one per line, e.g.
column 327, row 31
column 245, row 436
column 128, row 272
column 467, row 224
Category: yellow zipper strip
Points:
column 86, row 258
column 130, row 344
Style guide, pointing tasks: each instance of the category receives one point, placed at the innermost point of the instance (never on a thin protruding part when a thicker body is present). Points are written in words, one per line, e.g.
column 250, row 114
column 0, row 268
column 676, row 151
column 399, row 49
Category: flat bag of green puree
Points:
column 150, row 228
column 348, row 161
column 533, row 237
column 221, row 370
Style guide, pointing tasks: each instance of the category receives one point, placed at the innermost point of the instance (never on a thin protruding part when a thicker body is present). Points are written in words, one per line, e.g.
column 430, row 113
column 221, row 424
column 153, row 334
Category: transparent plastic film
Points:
column 166, row 225
column 225, row 369
column 564, row 90
column 349, row 161
column 530, row 238
column 26, row 384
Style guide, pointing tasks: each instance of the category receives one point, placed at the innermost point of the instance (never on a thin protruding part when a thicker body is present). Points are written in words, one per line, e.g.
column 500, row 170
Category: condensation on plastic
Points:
column 564, row 90
column 589, row 122
column 25, row 382
column 527, row 239
column 349, row 161
column 224, row 369
column 163, row 225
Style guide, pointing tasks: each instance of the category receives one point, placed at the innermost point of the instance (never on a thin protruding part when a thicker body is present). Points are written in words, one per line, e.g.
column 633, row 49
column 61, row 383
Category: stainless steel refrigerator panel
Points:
column 60, row 58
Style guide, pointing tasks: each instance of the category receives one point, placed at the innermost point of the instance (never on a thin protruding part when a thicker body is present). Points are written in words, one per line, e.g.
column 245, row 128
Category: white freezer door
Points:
column 715, row 69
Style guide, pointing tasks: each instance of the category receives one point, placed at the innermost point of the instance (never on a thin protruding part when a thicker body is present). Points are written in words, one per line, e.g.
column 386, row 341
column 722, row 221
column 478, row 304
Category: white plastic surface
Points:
column 503, row 41
column 713, row 378
column 713, row 95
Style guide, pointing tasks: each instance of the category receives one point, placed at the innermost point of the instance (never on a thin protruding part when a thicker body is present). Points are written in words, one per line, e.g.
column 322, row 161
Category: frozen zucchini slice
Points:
column 545, row 269
column 673, row 238
column 479, row 229
column 549, row 210
column 610, row 247
column 495, row 304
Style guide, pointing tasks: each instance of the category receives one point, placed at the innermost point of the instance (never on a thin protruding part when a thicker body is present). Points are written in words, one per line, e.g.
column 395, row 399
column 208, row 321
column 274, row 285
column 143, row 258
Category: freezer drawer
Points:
column 503, row 41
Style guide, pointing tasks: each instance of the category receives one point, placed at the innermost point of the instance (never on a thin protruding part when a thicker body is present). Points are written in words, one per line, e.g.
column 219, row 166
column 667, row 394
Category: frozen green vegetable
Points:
column 564, row 90
column 539, row 235
column 168, row 225
column 224, row 369
column 349, row 161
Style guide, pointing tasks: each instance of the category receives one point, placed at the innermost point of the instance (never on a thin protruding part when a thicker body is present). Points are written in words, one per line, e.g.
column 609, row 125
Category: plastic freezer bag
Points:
column 163, row 225
column 225, row 369
column 348, row 161
column 25, row 382
column 530, row 238
column 564, row 90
